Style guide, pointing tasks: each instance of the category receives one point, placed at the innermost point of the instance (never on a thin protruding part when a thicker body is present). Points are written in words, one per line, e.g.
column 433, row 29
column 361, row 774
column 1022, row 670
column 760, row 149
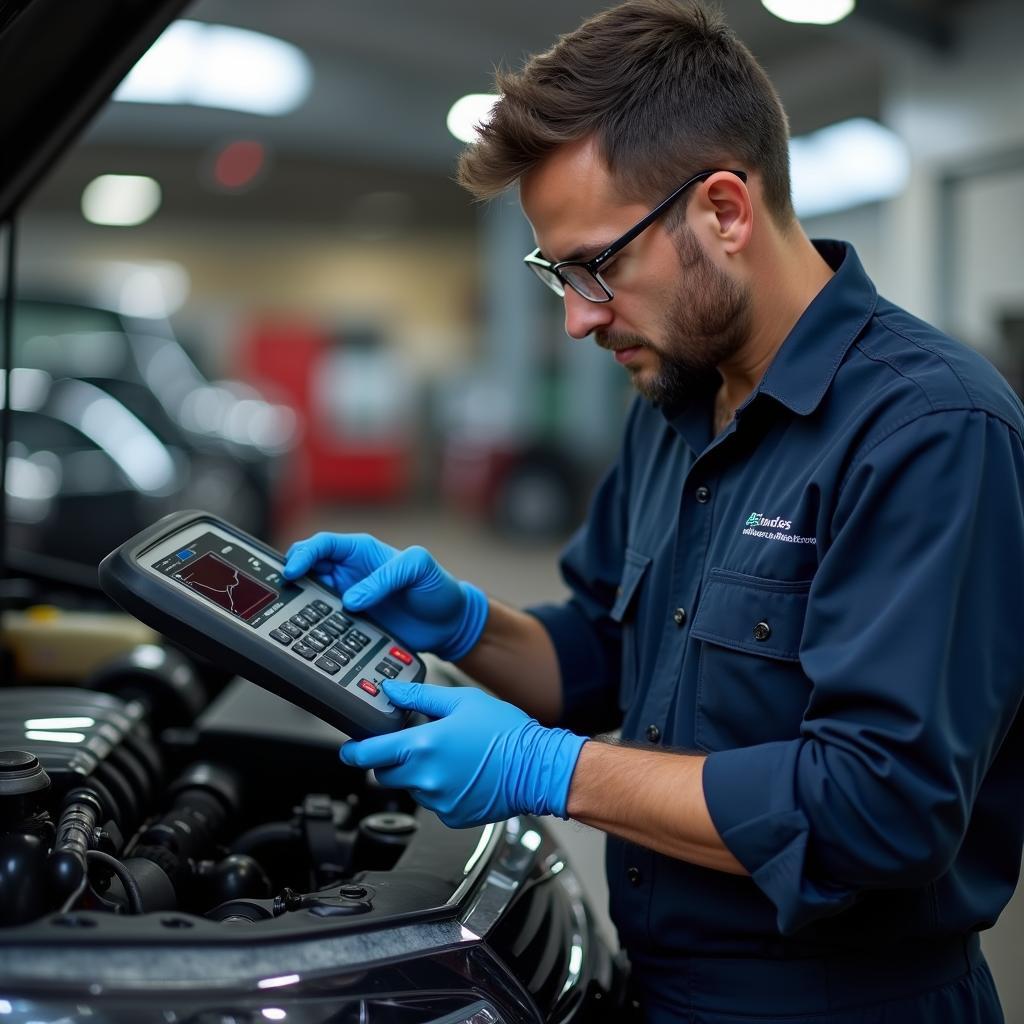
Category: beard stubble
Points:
column 705, row 323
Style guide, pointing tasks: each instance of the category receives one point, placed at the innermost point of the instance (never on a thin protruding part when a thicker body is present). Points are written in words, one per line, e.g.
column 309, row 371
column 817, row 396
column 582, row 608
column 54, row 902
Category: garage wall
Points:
column 951, row 110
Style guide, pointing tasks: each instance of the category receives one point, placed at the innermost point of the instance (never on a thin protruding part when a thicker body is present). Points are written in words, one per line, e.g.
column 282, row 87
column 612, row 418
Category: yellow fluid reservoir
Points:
column 49, row 644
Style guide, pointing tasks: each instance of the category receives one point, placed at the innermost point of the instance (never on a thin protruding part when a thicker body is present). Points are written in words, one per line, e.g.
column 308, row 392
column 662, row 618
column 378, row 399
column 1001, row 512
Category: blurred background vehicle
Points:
column 231, row 450
column 82, row 468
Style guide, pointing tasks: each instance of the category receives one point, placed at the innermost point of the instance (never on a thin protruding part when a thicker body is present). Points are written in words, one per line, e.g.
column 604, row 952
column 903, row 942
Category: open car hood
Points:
column 59, row 63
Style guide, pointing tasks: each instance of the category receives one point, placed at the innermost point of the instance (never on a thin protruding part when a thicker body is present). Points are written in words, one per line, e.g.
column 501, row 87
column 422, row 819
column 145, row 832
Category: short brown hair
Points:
column 667, row 90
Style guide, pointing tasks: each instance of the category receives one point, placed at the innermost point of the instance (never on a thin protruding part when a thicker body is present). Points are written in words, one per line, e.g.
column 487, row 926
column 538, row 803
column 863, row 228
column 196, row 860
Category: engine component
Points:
column 241, row 912
column 154, row 890
column 268, row 834
column 76, row 835
column 86, row 737
column 383, row 837
column 162, row 679
column 329, row 848
column 26, row 832
column 204, row 798
column 235, row 877
column 122, row 873
column 23, row 788
column 52, row 645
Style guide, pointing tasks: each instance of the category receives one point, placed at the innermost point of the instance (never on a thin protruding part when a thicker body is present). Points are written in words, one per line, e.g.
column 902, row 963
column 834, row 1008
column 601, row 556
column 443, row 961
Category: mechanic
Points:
column 797, row 591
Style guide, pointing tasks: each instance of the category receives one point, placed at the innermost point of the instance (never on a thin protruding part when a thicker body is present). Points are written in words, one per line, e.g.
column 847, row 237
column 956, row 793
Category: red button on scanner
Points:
column 402, row 656
column 371, row 688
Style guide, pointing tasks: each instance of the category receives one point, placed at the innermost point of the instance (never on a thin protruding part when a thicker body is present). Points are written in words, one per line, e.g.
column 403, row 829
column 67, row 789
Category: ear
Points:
column 729, row 211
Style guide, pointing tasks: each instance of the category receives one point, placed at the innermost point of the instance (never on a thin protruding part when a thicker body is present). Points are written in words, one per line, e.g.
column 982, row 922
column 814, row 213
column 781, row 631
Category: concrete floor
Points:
column 520, row 574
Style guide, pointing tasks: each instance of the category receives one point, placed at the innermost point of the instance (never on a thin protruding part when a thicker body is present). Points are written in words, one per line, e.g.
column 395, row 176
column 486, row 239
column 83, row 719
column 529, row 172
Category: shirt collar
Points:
column 805, row 365
column 808, row 358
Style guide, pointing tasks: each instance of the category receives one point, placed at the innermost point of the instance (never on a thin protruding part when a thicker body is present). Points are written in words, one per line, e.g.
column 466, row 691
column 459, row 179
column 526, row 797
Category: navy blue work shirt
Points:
column 827, row 599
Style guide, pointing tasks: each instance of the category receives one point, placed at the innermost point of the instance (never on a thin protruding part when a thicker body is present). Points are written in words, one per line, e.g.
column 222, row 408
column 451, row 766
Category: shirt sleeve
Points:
column 587, row 640
column 915, row 651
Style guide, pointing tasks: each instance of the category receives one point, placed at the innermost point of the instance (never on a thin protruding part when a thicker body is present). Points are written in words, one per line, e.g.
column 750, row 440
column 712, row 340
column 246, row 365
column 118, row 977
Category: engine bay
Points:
column 175, row 839
column 151, row 787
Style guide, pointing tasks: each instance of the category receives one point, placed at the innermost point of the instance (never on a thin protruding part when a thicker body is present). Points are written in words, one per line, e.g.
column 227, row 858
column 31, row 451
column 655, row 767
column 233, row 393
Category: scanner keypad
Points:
column 328, row 639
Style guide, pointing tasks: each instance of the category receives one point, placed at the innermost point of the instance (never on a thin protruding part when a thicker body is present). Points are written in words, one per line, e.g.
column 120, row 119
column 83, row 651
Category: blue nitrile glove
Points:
column 483, row 760
column 407, row 592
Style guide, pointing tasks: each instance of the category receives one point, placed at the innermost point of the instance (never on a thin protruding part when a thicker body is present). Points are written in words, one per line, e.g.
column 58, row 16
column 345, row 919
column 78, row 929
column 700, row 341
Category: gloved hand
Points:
column 482, row 760
column 407, row 592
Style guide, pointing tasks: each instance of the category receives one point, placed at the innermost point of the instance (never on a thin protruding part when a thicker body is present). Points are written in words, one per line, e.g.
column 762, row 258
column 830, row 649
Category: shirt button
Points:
column 653, row 733
column 679, row 616
column 702, row 494
column 762, row 631
column 633, row 874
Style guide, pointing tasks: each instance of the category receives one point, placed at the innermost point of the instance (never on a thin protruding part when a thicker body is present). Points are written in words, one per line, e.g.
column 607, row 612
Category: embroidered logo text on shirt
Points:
column 773, row 529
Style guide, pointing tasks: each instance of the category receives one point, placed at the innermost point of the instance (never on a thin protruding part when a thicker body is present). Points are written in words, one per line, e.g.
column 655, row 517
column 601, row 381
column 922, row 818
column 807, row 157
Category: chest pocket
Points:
column 624, row 612
column 751, row 688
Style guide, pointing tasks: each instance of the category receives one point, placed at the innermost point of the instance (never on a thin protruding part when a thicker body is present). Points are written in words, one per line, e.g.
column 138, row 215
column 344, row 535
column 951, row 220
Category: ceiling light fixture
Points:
column 205, row 65
column 468, row 112
column 846, row 164
column 120, row 200
column 810, row 12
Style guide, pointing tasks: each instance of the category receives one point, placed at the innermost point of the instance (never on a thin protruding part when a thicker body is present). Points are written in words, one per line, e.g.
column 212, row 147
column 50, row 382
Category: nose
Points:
column 583, row 317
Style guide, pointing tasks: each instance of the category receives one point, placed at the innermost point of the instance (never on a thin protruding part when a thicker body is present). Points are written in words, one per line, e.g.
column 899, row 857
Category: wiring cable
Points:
column 69, row 903
column 131, row 887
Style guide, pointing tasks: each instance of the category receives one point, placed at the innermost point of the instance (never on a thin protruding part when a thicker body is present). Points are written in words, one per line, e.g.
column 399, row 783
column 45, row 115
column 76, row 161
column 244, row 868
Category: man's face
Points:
column 675, row 316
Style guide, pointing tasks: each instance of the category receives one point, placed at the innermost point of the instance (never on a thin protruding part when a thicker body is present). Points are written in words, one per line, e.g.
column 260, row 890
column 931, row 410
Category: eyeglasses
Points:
column 582, row 275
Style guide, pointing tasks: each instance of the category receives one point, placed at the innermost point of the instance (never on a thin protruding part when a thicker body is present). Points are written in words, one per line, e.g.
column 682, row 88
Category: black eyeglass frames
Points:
column 582, row 275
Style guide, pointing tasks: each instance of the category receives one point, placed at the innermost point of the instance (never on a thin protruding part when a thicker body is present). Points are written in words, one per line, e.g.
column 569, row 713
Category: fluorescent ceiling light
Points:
column 847, row 164
column 207, row 65
column 810, row 12
column 468, row 112
column 120, row 200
